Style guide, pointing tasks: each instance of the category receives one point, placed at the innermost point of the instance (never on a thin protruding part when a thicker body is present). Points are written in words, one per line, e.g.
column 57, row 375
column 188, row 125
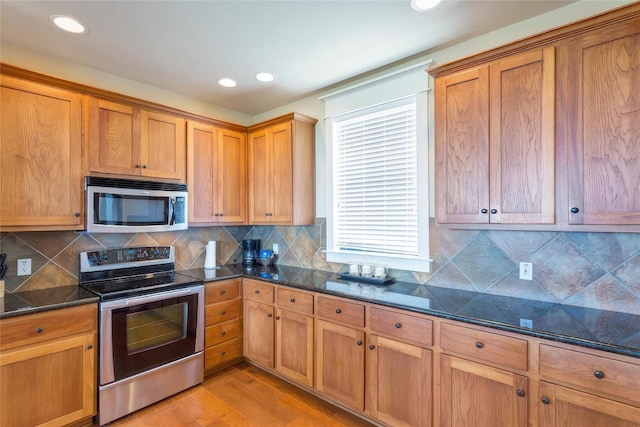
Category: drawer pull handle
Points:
column 257, row 291
column 338, row 311
column 89, row 346
column 224, row 312
column 39, row 330
column 359, row 343
column 545, row 400
column 479, row 345
column 398, row 325
column 292, row 300
column 371, row 347
column 223, row 333
column 223, row 353
column 520, row 393
column 269, row 315
column 598, row 374
column 223, row 291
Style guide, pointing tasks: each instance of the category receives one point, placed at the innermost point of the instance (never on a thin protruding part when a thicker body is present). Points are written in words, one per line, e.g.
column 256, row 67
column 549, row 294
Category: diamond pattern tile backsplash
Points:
column 595, row 270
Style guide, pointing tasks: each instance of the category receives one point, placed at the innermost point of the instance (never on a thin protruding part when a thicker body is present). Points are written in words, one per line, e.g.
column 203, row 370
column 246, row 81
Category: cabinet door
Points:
column 399, row 383
column 294, row 346
column 462, row 147
column 48, row 383
column 232, row 187
column 281, row 172
column 202, row 152
column 259, row 333
column 564, row 407
column 601, row 108
column 163, row 146
column 40, row 156
column 340, row 363
column 522, row 147
column 472, row 394
column 114, row 145
column 260, row 183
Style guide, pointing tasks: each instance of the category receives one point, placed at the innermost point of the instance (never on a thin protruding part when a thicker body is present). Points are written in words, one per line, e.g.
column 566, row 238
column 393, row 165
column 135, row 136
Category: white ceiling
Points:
column 186, row 46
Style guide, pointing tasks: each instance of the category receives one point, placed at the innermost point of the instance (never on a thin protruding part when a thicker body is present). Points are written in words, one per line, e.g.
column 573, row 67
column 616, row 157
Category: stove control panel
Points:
column 124, row 257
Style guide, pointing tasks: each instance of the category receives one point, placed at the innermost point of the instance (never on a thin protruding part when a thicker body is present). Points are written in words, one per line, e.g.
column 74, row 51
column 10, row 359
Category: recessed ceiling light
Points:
column 227, row 82
column 265, row 77
column 422, row 5
column 69, row 24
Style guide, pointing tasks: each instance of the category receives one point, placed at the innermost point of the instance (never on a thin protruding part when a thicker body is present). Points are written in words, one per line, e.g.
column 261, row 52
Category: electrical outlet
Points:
column 526, row 323
column 526, row 271
column 24, row 267
column 275, row 248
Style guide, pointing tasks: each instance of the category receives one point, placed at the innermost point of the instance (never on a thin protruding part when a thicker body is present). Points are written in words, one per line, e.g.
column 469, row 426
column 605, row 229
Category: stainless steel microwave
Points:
column 132, row 206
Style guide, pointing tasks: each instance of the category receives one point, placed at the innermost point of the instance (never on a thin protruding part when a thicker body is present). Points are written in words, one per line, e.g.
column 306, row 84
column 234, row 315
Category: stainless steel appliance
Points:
column 151, row 327
column 132, row 206
column 250, row 248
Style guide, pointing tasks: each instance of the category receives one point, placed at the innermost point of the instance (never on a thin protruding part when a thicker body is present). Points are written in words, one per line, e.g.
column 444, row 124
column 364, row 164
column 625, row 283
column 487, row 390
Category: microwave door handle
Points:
column 172, row 213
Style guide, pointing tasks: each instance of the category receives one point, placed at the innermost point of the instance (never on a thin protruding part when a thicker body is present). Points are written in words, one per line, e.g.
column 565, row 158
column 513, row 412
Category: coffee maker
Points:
column 250, row 248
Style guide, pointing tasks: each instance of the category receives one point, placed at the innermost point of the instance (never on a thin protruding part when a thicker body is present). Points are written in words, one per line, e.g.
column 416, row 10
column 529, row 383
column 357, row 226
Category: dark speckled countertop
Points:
column 603, row 330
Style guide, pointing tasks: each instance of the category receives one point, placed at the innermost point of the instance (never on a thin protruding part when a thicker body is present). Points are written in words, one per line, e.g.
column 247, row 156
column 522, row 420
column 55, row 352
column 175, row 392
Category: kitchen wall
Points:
column 596, row 270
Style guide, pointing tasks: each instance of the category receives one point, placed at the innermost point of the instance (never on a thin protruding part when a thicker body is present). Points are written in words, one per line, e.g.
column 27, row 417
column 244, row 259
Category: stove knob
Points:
column 155, row 252
column 165, row 252
column 105, row 256
column 93, row 259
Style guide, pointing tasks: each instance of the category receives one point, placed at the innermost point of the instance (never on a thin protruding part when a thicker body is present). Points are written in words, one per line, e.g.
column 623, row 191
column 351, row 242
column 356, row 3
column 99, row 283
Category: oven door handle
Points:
column 144, row 299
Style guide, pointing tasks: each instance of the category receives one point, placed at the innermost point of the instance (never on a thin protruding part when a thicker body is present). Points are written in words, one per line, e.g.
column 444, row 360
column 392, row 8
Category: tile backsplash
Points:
column 595, row 270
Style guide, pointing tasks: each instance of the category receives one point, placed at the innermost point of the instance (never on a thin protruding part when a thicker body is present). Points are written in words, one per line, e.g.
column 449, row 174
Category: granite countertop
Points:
column 599, row 329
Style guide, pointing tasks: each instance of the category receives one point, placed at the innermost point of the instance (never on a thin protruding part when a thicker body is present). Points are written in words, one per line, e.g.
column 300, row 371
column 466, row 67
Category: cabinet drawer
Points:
column 41, row 327
column 221, row 332
column 222, row 353
column 480, row 345
column 222, row 291
column 222, row 311
column 341, row 310
column 402, row 326
column 295, row 301
column 591, row 372
column 258, row 291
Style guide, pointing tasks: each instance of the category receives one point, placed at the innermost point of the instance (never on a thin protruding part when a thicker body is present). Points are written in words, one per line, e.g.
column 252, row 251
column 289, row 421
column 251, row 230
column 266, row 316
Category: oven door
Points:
column 140, row 333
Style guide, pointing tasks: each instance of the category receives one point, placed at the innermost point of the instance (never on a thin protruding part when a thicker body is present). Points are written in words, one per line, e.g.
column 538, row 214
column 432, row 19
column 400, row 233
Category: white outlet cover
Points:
column 24, row 267
column 526, row 271
column 275, row 248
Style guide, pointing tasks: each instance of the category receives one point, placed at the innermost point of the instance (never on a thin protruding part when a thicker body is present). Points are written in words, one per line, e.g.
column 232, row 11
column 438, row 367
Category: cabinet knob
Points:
column 223, row 353
column 224, row 312
column 359, row 343
column 520, row 393
column 371, row 347
column 220, row 214
column 494, row 211
column 257, row 291
column 39, row 330
column 89, row 346
column 598, row 374
column 338, row 311
column 269, row 315
column 277, row 317
column 479, row 345
column 484, row 211
column 224, row 291
column 292, row 300
column 545, row 400
column 398, row 325
column 223, row 333
column 144, row 166
column 77, row 214
column 575, row 210
column 137, row 166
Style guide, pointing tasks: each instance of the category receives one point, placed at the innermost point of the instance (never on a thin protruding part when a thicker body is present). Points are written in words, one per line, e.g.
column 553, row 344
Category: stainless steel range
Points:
column 151, row 327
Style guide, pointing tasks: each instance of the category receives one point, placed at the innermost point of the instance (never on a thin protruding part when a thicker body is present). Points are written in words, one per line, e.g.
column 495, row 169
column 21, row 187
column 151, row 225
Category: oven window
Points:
column 118, row 209
column 156, row 327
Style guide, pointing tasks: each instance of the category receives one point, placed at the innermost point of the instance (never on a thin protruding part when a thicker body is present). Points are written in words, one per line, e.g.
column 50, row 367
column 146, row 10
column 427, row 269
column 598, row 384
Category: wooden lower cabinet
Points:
column 51, row 380
column 477, row 395
column 400, row 378
column 565, row 407
column 294, row 346
column 223, row 319
column 340, row 366
column 259, row 333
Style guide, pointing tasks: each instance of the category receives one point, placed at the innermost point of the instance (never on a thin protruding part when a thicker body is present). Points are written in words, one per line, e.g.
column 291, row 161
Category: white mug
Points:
column 354, row 269
column 366, row 270
column 379, row 272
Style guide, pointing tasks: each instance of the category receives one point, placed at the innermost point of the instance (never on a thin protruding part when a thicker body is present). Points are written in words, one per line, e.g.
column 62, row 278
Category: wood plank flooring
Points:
column 242, row 395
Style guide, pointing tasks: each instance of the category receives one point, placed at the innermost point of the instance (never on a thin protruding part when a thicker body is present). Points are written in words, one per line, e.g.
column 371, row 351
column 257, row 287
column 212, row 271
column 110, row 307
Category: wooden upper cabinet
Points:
column 126, row 140
column 216, row 160
column 281, row 171
column 600, row 119
column 40, row 157
column 495, row 144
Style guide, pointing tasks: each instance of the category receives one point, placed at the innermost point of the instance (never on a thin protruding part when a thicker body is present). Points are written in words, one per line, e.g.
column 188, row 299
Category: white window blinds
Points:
column 375, row 180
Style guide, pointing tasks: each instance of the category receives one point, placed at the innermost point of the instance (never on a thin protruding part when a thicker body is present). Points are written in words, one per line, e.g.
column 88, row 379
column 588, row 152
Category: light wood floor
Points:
column 241, row 395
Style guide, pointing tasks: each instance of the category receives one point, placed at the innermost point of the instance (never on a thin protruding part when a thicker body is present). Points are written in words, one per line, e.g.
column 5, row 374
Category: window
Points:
column 377, row 184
